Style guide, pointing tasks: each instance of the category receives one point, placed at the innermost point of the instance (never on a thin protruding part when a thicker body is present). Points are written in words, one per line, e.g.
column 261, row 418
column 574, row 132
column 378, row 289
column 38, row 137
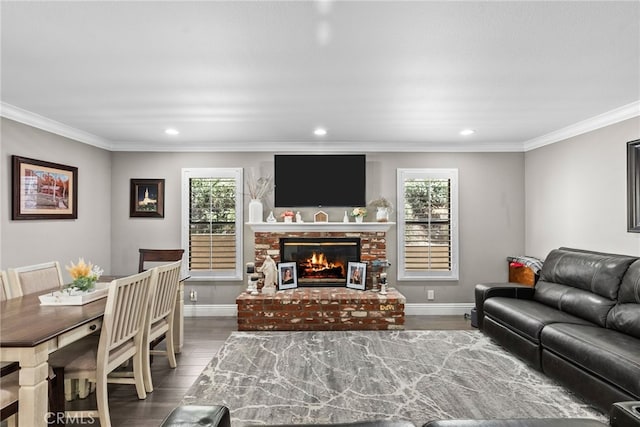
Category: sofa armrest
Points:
column 483, row 291
column 193, row 415
column 625, row 414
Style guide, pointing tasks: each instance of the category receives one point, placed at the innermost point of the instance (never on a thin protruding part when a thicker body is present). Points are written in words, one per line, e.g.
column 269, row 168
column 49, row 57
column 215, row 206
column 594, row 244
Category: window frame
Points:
column 428, row 173
column 223, row 173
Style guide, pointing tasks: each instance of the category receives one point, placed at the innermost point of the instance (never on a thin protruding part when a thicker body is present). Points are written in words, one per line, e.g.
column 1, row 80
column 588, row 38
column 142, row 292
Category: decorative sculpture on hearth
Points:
column 269, row 270
column 380, row 267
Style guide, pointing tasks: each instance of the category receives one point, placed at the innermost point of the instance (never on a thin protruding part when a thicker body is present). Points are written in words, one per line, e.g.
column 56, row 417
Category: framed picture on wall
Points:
column 633, row 186
column 287, row 275
column 43, row 190
column 147, row 198
column 357, row 275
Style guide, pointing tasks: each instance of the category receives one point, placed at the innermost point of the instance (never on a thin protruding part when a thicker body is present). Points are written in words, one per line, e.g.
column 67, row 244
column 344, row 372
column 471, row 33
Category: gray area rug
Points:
column 328, row 377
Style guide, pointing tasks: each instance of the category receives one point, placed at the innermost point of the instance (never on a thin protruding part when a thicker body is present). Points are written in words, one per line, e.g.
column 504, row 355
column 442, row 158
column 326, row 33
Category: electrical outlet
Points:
column 431, row 294
column 193, row 295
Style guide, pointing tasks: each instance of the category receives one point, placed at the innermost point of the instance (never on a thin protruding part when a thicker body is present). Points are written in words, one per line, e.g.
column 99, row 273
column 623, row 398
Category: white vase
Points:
column 288, row 219
column 382, row 214
column 359, row 218
column 255, row 211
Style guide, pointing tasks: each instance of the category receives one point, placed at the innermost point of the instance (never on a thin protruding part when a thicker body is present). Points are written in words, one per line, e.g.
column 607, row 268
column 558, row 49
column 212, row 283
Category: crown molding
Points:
column 322, row 147
column 40, row 122
column 625, row 112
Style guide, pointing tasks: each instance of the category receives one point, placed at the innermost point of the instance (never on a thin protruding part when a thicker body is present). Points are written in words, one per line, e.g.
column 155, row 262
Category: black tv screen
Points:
column 337, row 180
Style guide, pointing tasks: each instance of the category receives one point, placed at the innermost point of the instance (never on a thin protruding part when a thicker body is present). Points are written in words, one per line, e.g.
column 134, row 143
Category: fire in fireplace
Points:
column 320, row 261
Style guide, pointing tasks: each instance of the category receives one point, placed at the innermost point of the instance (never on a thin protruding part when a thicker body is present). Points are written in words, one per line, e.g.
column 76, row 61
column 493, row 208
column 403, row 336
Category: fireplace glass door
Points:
column 320, row 261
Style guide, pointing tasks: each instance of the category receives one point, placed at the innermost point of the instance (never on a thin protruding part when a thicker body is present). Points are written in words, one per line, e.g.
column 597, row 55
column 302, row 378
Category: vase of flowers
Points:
column 258, row 189
column 84, row 277
column 287, row 216
column 383, row 208
column 359, row 214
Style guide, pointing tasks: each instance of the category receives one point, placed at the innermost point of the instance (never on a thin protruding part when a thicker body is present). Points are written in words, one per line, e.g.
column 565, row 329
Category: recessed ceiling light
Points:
column 467, row 132
column 171, row 131
column 320, row 132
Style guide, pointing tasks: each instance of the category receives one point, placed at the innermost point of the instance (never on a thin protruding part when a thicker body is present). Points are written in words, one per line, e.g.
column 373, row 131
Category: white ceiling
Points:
column 379, row 75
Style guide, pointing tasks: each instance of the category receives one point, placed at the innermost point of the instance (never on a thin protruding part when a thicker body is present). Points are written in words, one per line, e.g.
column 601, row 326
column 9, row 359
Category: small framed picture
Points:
column 287, row 275
column 357, row 275
column 147, row 198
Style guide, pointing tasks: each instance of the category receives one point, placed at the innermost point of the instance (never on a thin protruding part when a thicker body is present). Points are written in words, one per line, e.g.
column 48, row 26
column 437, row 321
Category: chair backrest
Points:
column 158, row 255
column 35, row 278
column 5, row 291
column 124, row 319
column 163, row 300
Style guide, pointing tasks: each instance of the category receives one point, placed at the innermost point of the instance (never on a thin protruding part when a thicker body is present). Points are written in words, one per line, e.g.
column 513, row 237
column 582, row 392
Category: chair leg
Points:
column 138, row 375
column 84, row 388
column 171, row 352
column 70, row 391
column 146, row 369
column 103, row 400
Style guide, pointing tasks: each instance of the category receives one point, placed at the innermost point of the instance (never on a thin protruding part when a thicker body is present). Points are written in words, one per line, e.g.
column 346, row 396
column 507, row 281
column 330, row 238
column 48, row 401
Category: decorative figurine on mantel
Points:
column 269, row 270
column 298, row 217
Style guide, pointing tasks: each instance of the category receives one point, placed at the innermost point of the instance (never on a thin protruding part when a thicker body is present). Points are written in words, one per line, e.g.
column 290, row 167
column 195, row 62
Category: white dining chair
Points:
column 121, row 339
column 9, row 389
column 162, row 306
column 5, row 289
column 35, row 278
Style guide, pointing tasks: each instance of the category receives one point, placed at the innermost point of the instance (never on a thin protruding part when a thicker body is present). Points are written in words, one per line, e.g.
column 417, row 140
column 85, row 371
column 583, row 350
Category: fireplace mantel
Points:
column 279, row 227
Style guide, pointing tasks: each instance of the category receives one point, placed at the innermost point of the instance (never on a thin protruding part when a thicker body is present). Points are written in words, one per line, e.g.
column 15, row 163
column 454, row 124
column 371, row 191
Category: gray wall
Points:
column 576, row 193
column 491, row 213
column 37, row 241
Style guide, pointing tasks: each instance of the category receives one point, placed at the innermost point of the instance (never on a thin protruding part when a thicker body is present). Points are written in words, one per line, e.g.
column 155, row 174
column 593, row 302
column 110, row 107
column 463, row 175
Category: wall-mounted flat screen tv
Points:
column 307, row 180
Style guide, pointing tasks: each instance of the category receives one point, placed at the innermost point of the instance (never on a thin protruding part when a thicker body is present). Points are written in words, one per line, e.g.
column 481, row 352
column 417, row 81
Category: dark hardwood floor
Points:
column 204, row 336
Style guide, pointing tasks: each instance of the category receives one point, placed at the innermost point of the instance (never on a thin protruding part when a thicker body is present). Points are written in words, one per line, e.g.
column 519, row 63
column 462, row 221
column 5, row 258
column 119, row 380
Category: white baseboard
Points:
column 435, row 309
column 210, row 310
column 438, row 309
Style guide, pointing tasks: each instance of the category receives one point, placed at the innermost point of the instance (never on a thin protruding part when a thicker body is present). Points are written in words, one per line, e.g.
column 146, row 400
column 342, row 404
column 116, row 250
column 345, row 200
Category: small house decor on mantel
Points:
column 383, row 208
column 321, row 216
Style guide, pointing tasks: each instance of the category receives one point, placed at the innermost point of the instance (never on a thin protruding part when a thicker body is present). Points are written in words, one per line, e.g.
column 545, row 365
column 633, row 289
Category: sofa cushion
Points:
column 526, row 317
column 625, row 315
column 582, row 283
column 604, row 352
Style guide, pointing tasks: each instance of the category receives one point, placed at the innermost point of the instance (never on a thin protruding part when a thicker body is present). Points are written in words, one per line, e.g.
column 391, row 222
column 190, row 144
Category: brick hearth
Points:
column 321, row 309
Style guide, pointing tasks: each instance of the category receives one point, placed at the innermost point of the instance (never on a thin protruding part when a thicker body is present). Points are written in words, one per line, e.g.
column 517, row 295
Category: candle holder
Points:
column 251, row 269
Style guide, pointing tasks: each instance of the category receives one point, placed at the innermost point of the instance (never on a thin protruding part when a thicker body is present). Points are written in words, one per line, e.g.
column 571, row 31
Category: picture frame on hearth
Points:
column 357, row 275
column 287, row 276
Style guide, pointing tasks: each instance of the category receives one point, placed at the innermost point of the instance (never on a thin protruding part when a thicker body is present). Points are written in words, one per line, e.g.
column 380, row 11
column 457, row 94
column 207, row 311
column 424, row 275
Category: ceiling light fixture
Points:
column 467, row 132
column 320, row 132
column 171, row 131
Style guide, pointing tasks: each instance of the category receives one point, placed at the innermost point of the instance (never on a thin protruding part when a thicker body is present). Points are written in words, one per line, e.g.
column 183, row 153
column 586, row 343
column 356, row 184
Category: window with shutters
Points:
column 427, row 224
column 212, row 222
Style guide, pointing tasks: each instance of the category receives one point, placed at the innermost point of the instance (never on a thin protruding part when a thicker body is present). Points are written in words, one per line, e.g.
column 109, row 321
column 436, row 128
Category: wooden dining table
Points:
column 29, row 332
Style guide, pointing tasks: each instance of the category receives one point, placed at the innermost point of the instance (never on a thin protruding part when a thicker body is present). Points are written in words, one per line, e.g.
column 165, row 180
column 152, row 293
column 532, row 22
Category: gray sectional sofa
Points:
column 580, row 324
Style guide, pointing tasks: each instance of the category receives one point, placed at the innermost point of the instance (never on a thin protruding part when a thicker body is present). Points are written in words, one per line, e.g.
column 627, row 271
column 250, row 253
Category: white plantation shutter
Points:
column 212, row 222
column 427, row 224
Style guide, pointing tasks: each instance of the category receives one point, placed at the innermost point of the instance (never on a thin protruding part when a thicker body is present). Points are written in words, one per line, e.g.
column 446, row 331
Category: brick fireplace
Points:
column 321, row 308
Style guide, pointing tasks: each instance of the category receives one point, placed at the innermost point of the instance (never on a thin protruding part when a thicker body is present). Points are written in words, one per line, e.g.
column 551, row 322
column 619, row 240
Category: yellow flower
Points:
column 81, row 269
